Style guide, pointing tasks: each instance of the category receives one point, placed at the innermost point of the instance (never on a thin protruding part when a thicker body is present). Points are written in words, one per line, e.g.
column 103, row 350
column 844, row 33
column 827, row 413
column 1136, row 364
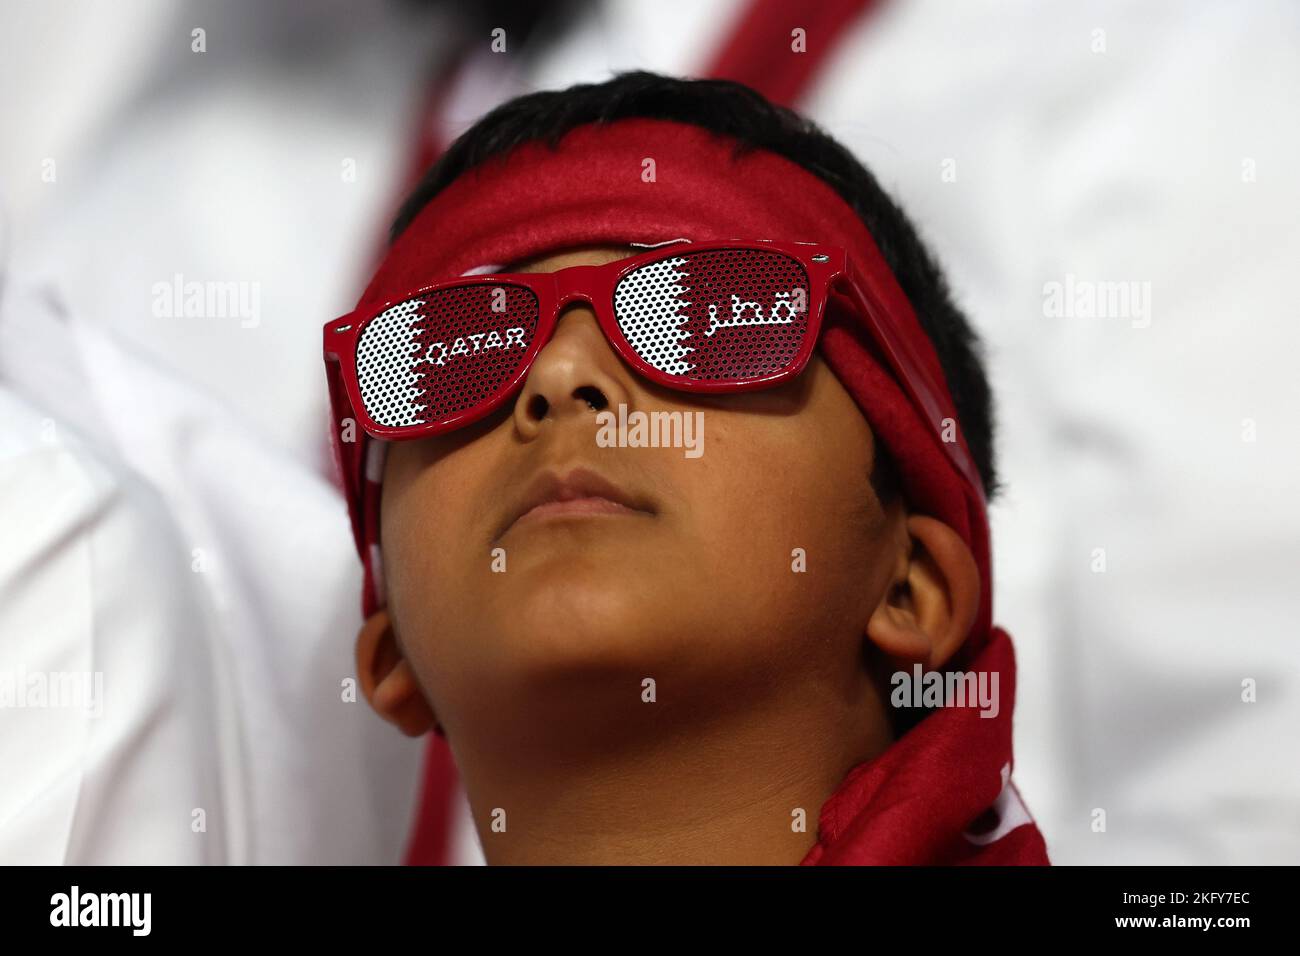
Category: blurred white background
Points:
column 1032, row 144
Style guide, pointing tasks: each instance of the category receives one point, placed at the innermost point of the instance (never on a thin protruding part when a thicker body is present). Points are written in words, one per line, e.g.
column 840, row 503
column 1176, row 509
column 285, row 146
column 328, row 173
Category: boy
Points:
column 771, row 641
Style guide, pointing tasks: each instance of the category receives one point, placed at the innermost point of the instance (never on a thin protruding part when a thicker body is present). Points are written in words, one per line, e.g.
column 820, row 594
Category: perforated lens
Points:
column 435, row 356
column 714, row 315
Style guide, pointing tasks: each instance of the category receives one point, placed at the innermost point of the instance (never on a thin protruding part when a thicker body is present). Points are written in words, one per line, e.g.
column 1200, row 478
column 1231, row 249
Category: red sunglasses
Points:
column 722, row 316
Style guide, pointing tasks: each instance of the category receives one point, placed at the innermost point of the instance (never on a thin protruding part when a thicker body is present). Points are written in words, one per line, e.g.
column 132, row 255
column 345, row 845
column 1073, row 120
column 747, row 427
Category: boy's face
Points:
column 723, row 577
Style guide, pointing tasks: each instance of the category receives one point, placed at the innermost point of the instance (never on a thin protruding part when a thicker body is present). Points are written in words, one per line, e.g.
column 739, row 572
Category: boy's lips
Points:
column 580, row 491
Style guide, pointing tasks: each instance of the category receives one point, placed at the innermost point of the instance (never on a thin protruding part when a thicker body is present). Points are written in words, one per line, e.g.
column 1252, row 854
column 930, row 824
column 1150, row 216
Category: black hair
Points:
column 736, row 110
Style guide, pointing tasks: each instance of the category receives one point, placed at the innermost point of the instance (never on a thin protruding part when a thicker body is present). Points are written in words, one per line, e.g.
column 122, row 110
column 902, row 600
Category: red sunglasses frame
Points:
column 829, row 269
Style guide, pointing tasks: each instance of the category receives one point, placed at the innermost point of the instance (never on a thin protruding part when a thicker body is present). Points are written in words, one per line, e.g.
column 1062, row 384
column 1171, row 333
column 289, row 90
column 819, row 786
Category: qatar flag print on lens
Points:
column 439, row 355
column 724, row 314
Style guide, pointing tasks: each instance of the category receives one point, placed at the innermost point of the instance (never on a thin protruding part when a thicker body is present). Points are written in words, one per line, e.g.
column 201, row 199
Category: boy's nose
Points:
column 575, row 375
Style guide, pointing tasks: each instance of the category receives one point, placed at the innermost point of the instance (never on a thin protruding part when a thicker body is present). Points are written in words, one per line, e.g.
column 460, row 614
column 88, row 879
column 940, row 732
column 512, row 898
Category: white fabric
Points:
column 118, row 732
column 271, row 161
column 268, row 540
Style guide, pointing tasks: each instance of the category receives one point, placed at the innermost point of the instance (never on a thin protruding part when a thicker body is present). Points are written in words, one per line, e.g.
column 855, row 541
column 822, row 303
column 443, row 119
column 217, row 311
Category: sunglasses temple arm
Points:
column 346, row 452
column 916, row 382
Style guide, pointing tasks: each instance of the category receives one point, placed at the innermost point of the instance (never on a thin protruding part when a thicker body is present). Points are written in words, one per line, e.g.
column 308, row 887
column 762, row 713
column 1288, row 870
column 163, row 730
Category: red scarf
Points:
column 940, row 795
column 951, row 771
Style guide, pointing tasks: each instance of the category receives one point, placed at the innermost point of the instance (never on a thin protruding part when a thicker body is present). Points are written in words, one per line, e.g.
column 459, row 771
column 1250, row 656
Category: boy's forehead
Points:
column 593, row 255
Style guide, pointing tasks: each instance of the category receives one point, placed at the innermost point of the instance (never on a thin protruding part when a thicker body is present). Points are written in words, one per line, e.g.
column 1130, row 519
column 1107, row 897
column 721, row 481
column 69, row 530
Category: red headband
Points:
column 650, row 181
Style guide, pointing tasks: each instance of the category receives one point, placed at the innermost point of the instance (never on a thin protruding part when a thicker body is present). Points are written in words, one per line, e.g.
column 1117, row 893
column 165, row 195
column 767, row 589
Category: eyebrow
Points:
column 519, row 265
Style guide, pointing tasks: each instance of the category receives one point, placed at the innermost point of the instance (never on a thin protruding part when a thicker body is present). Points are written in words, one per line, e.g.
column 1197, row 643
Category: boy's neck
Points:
column 691, row 788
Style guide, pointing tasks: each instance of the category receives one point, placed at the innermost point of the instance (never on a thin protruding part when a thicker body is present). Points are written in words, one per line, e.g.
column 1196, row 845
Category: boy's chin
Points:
column 586, row 597
column 590, row 613
column 598, row 553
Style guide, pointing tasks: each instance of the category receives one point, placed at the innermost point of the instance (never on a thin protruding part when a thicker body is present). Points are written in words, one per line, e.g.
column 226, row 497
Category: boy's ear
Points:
column 927, row 612
column 387, row 679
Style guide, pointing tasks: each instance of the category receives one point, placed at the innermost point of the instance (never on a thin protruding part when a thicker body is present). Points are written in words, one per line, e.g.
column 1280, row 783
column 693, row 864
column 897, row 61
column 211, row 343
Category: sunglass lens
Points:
column 441, row 354
column 726, row 314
